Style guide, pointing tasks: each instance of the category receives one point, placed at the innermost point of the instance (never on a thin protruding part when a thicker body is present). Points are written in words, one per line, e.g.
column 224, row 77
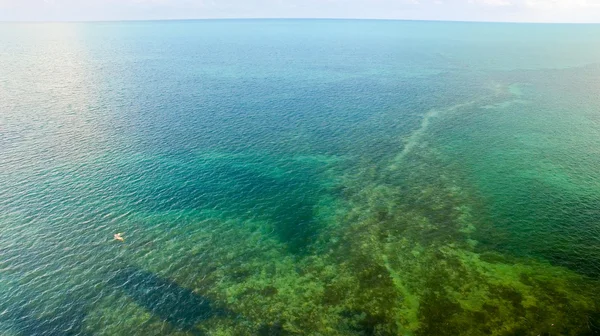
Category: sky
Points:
column 453, row 10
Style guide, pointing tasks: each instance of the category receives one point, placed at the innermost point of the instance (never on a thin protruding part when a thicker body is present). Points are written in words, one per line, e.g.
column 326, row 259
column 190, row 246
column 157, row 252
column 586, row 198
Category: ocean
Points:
column 299, row 177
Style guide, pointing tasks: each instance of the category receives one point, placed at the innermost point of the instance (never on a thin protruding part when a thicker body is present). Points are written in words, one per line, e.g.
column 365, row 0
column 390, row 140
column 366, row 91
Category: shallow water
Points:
column 281, row 177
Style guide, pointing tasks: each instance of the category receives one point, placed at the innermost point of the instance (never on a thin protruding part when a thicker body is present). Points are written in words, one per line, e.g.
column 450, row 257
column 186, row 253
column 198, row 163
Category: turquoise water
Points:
column 283, row 177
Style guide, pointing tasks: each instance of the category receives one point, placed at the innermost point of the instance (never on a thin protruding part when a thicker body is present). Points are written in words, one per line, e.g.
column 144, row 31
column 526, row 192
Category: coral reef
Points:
column 398, row 257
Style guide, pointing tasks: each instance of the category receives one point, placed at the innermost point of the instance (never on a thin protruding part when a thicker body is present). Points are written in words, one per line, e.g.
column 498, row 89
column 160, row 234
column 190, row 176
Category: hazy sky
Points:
column 469, row 10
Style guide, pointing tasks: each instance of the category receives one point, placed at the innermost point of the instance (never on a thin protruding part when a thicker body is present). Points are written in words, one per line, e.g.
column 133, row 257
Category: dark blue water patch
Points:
column 179, row 306
column 289, row 114
column 283, row 192
column 26, row 318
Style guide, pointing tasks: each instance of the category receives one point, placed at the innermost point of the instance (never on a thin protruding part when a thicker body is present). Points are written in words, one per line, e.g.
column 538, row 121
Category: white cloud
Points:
column 493, row 3
column 562, row 4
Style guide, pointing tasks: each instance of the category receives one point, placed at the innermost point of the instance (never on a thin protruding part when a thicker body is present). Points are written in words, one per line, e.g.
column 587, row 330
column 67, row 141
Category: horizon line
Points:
column 295, row 18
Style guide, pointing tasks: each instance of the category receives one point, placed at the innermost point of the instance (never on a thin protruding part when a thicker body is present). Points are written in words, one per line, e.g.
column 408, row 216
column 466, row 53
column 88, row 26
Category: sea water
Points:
column 283, row 177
